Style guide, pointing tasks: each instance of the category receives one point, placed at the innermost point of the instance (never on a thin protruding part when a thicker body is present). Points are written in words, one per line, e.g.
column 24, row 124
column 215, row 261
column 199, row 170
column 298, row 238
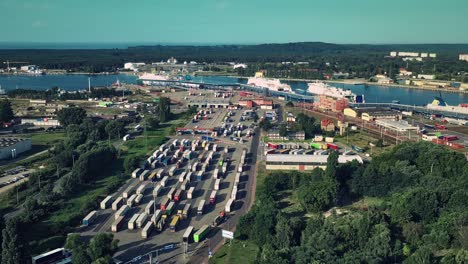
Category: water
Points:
column 372, row 93
column 67, row 82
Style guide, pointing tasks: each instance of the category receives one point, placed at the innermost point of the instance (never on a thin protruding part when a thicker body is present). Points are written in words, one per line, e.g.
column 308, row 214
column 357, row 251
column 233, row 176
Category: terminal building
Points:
column 303, row 162
column 372, row 114
column 11, row 147
column 396, row 125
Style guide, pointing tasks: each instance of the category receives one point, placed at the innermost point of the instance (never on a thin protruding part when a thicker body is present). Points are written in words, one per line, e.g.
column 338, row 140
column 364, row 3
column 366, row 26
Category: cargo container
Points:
column 178, row 195
column 157, row 190
column 170, row 208
column 190, row 193
column 141, row 221
column 226, row 149
column 149, row 207
column 132, row 223
column 215, row 147
column 164, row 202
column 201, row 233
column 186, row 211
column 142, row 188
column 213, row 197
column 215, row 173
column 200, row 176
column 163, row 182
column 152, row 176
column 138, row 199
column 129, row 191
column 333, row 146
column 441, row 127
column 224, row 168
column 174, row 223
column 136, row 173
column 228, row 207
column 188, row 155
column 182, row 176
column 172, row 171
column 156, row 216
column 237, row 179
column 217, row 183
column 170, row 194
column 106, row 202
column 160, row 173
column 189, row 176
column 187, row 237
column 117, row 203
column 122, row 211
column 234, row 193
column 146, row 231
column 185, row 185
column 117, row 224
column 90, row 218
column 195, row 167
column 201, row 206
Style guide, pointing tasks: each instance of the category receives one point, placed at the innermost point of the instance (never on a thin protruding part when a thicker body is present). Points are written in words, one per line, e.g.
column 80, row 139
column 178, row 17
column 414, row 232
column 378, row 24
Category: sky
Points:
column 234, row 21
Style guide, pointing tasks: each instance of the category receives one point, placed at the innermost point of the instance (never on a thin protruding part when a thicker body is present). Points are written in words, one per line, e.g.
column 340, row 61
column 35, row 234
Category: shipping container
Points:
column 170, row 208
column 201, row 206
column 213, row 197
column 129, row 191
column 157, row 190
column 136, row 173
column 164, row 180
column 172, row 171
column 185, row 185
column 117, row 224
column 199, row 175
column 186, row 211
column 138, row 199
column 217, row 183
column 178, row 195
column 146, row 231
column 190, row 193
column 141, row 221
column 187, row 237
column 88, row 220
column 132, row 223
column 156, row 216
column 152, row 176
column 229, row 204
column 122, row 211
column 160, row 173
column 164, row 202
column 106, row 202
column 117, row 203
column 149, row 208
column 201, row 233
column 142, row 188
column 450, row 138
column 174, row 223
column 171, row 193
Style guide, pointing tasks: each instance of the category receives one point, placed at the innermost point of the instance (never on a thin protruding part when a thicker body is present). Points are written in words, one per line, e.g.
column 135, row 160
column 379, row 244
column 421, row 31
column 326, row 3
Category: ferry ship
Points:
column 270, row 83
column 439, row 104
column 151, row 78
column 321, row 88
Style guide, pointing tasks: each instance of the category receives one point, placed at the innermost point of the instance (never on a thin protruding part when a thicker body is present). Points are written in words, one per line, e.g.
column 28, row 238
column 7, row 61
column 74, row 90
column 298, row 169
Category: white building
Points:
column 240, row 65
column 28, row 68
column 393, row 54
column 463, row 57
column 396, row 125
column 303, row 162
column 408, row 54
column 133, row 65
column 172, row 60
column 433, row 55
column 40, row 122
column 11, row 147
column 424, row 55
column 426, row 76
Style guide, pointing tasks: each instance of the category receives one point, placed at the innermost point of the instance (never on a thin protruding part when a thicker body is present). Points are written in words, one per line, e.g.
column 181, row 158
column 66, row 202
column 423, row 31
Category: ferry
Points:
column 151, row 78
column 439, row 104
column 272, row 84
column 321, row 88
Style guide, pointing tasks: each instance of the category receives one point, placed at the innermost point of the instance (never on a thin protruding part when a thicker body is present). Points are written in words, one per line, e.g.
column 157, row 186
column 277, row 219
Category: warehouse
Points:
column 400, row 125
column 372, row 114
column 303, row 162
column 11, row 147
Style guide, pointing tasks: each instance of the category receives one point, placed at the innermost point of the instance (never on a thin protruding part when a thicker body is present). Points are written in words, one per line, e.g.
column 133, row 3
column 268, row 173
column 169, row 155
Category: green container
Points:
column 316, row 145
column 201, row 233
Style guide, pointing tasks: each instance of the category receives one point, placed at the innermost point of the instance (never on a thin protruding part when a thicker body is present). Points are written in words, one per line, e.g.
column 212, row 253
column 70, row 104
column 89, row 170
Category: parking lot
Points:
column 131, row 242
column 13, row 177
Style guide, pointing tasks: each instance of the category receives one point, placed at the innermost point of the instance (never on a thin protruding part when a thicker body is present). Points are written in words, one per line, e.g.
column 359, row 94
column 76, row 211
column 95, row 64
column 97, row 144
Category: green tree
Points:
column 131, row 163
column 13, row 245
column 115, row 129
column 284, row 233
column 71, row 115
column 6, row 111
column 283, row 130
column 265, row 124
column 79, row 256
column 152, row 123
column 164, row 109
column 74, row 241
column 102, row 245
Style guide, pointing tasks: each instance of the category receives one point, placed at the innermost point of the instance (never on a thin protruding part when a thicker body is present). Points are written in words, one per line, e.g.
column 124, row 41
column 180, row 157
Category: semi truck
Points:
column 106, row 202
column 201, row 233
column 182, row 176
column 141, row 221
column 117, row 224
column 174, row 223
column 90, row 218
column 215, row 173
column 228, row 207
column 199, row 175
column 132, row 223
column 142, row 188
column 163, row 182
column 156, row 216
column 138, row 199
column 213, row 197
column 178, row 195
column 131, row 200
column 129, row 191
column 195, row 167
column 187, row 237
column 217, row 183
column 117, row 203
column 172, row 171
column 170, row 208
column 185, row 185
column 164, row 202
column 146, row 232
column 157, row 190
column 160, row 173
column 188, row 177
column 186, row 211
column 190, row 193
column 149, row 207
column 152, row 176
column 136, row 173
column 201, row 206
column 122, row 211
column 171, row 193
column 144, row 175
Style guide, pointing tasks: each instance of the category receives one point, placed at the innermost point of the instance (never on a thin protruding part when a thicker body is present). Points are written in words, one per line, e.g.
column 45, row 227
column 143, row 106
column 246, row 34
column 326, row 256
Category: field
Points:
column 362, row 140
column 236, row 252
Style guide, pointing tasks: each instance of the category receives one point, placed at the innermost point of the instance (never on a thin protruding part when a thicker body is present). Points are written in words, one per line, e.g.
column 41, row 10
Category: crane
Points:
column 8, row 63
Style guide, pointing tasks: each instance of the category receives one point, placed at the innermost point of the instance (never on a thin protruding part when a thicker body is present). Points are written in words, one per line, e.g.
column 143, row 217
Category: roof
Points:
column 10, row 141
column 396, row 125
column 326, row 122
column 375, row 111
column 309, row 158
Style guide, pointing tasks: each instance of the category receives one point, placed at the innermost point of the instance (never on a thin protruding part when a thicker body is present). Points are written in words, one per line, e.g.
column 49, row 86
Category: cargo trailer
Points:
column 201, row 206
column 201, row 233
column 185, row 185
column 199, row 175
column 178, row 195
column 117, row 224
column 174, row 223
column 160, row 173
column 170, row 208
column 229, row 204
column 182, row 176
column 163, row 182
column 129, row 191
column 170, row 194
column 141, row 221
column 164, row 202
column 117, row 203
column 136, row 173
column 213, row 197
column 132, row 222
column 142, row 188
column 146, row 231
column 106, row 202
column 188, row 177
column 195, row 167
column 149, row 208
column 122, row 211
column 156, row 216
column 131, row 200
column 217, row 183
column 187, row 237
column 234, row 193
column 89, row 219
column 157, row 190
column 190, row 192
column 186, row 211
column 172, row 171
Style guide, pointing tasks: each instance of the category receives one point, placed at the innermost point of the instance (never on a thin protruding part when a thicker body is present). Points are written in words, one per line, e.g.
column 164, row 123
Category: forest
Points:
column 419, row 213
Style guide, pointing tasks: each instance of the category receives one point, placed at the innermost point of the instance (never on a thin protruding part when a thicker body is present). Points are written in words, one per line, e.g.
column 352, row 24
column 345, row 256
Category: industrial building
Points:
column 399, row 126
column 303, row 162
column 220, row 103
column 11, row 147
column 332, row 103
column 372, row 114
column 274, row 134
column 40, row 121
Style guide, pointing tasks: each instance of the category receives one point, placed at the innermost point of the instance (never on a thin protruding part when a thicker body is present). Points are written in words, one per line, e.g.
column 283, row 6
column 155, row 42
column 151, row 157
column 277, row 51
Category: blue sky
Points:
column 234, row 21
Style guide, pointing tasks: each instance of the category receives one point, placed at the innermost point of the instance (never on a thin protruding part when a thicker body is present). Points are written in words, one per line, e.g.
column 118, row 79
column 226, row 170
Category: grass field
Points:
column 362, row 140
column 236, row 252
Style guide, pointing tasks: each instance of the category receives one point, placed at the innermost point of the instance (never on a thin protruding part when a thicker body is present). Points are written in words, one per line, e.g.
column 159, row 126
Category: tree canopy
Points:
column 71, row 115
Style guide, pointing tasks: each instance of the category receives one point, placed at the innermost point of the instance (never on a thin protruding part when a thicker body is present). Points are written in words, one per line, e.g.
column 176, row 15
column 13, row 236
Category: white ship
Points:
column 151, row 78
column 270, row 83
column 321, row 88
column 440, row 104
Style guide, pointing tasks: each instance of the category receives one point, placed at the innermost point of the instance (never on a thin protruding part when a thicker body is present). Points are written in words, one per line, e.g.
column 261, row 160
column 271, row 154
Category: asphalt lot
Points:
column 132, row 245
column 10, row 181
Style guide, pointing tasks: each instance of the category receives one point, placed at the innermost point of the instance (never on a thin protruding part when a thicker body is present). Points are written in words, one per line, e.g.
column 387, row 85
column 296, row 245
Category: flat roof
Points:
column 396, row 125
column 309, row 158
column 10, row 141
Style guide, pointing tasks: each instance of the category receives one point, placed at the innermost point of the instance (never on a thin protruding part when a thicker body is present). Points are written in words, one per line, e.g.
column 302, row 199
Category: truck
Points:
column 195, row 167
column 160, row 224
column 217, row 183
column 132, row 223
column 228, row 207
column 241, row 167
column 213, row 197
column 185, row 185
column 215, row 147
column 224, row 168
column 237, row 179
column 226, row 149
column 178, row 195
column 333, row 146
column 144, row 175
column 117, row 203
column 129, row 191
column 140, row 222
column 215, row 173
column 188, row 155
column 136, row 173
column 201, row 233
column 182, row 176
column 167, row 161
column 164, row 202
column 170, row 194
column 170, row 208
column 234, row 193
column 201, row 206
column 156, row 216
column 163, row 182
column 142, row 188
column 131, row 200
column 152, row 176
column 160, row 173
column 138, row 199
column 122, row 211
column 186, row 211
column 117, row 224
column 219, row 219
column 188, row 177
column 199, row 175
column 174, row 223
column 187, row 237
column 106, row 202
column 190, row 193
column 149, row 207
column 157, row 190
column 146, row 231
column 172, row 171
column 90, row 218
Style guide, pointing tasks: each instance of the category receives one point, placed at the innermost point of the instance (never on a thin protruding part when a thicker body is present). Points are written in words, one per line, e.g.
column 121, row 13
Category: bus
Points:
column 187, row 235
column 201, row 233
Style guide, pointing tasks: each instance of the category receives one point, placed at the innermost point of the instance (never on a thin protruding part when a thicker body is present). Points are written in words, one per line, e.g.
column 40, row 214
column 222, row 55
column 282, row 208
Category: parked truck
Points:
column 117, row 224
column 229, row 204
column 149, row 207
column 178, row 195
column 170, row 208
column 146, row 231
column 90, row 218
column 132, row 222
column 142, row 188
column 129, row 191
column 157, row 190
column 185, row 185
column 201, row 233
column 144, row 175
column 122, row 211
column 190, row 193
column 171, row 193
column 160, row 173
column 117, row 203
column 156, row 216
column 217, row 183
column 136, row 173
column 172, row 171
column 164, row 202
column 182, row 176
column 163, row 182
column 174, row 223
column 213, row 197
column 141, row 221
column 106, row 202
column 131, row 200
column 186, row 211
column 138, row 199
column 199, row 175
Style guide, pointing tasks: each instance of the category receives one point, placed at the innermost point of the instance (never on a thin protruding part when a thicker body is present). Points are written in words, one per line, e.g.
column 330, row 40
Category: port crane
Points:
column 8, row 63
